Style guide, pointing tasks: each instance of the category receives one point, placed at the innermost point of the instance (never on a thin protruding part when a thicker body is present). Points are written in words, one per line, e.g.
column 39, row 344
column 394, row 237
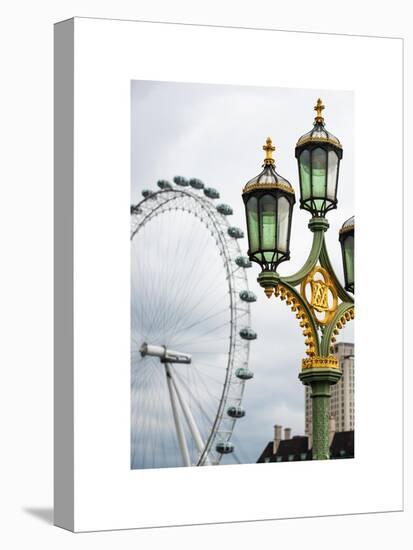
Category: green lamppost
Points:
column 321, row 304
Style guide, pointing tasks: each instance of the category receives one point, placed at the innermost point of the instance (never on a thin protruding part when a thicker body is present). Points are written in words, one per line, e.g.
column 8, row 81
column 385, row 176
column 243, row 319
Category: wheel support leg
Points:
column 193, row 428
column 179, row 430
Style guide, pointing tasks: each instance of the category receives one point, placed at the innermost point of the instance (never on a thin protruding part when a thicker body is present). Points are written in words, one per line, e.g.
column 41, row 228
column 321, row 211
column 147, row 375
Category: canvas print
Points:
column 242, row 275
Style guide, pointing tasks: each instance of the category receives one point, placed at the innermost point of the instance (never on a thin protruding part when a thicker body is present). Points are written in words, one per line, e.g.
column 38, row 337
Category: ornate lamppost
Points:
column 320, row 303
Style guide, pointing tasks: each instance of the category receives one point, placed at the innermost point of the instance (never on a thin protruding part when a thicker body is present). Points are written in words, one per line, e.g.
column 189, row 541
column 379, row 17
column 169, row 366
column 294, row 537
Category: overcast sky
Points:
column 215, row 133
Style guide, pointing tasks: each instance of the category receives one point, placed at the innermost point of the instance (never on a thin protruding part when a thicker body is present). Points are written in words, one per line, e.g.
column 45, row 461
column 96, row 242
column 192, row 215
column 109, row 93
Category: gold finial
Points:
column 268, row 148
column 319, row 107
column 269, row 291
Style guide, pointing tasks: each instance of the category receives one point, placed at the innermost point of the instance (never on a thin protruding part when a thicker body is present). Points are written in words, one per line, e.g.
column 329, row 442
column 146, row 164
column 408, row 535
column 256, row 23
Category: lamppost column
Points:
column 320, row 373
column 320, row 395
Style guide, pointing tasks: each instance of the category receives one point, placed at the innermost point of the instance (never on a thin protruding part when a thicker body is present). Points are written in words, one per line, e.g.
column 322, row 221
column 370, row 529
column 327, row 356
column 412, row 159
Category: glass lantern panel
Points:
column 319, row 166
column 268, row 207
column 253, row 227
column 319, row 205
column 349, row 258
column 258, row 257
column 282, row 224
column 269, row 256
column 332, row 175
column 305, row 179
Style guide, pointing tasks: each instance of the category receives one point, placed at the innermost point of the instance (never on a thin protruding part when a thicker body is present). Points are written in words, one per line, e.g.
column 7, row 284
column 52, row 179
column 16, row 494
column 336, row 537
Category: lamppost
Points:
column 314, row 293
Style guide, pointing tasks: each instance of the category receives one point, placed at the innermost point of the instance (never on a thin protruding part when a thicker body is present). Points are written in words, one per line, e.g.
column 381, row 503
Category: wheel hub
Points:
column 165, row 355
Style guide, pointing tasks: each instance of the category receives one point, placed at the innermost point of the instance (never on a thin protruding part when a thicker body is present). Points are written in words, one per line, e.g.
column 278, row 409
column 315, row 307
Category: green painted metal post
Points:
column 320, row 395
column 320, row 380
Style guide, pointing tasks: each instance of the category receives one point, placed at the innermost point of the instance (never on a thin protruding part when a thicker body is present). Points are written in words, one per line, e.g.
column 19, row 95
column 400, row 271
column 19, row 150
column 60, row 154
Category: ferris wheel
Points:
column 190, row 326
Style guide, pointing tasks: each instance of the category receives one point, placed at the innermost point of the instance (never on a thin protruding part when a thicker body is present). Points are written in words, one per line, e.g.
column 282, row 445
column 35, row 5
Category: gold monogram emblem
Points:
column 319, row 295
column 319, row 292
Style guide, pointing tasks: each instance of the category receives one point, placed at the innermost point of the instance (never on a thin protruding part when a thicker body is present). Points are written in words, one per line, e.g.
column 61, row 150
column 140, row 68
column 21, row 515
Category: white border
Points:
column 108, row 55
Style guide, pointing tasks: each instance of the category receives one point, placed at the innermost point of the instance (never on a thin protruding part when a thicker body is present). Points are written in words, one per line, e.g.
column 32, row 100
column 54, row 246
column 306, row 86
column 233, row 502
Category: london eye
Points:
column 190, row 326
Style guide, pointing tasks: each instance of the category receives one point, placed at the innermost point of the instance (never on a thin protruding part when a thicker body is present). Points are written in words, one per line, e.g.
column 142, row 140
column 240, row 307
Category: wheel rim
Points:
column 192, row 306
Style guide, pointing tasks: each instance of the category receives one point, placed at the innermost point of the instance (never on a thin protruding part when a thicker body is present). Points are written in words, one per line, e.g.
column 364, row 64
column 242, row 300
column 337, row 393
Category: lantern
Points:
column 346, row 238
column 318, row 154
column 269, row 201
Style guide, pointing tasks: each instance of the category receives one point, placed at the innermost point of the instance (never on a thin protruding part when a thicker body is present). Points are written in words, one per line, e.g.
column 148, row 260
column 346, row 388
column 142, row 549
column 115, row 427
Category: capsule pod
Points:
column 235, row 232
column 243, row 261
column 211, row 193
column 247, row 296
column 224, row 447
column 147, row 193
column 196, row 184
column 163, row 184
column 225, row 209
column 179, row 180
column 248, row 334
column 236, row 412
column 244, row 373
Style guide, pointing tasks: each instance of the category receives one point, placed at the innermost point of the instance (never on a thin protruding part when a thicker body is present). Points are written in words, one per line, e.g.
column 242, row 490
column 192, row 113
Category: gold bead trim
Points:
column 347, row 316
column 257, row 185
column 286, row 295
column 329, row 362
column 318, row 139
column 348, row 228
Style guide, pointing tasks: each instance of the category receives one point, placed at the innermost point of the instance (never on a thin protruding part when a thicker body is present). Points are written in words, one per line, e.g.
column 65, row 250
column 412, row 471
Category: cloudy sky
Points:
column 215, row 133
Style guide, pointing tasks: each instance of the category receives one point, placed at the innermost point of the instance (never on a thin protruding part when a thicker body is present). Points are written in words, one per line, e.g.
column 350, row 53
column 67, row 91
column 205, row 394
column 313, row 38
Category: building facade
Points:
column 297, row 447
column 342, row 394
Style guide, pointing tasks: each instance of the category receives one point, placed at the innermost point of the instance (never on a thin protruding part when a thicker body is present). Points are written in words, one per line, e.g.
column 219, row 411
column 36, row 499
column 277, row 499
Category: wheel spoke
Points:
column 184, row 296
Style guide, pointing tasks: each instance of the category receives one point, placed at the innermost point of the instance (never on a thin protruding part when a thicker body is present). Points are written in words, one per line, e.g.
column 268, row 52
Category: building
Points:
column 342, row 393
column 297, row 447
